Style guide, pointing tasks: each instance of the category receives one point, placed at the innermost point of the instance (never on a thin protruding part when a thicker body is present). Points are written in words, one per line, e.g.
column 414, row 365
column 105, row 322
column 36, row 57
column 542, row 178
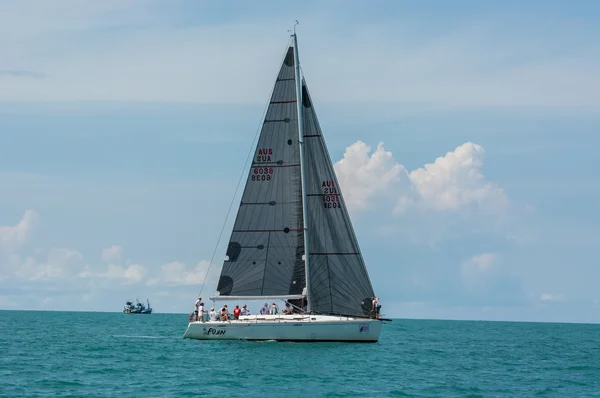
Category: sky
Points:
column 463, row 134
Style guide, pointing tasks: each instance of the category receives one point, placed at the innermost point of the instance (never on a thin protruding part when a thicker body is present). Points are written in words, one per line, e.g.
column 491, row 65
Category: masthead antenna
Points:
column 297, row 23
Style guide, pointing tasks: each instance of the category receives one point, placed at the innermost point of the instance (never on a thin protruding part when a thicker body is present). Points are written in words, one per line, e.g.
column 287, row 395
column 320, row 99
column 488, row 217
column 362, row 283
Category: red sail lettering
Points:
column 331, row 198
column 265, row 151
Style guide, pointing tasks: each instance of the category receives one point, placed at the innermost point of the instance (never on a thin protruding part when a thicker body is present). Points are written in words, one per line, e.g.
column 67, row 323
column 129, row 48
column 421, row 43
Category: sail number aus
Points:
column 264, row 154
column 331, row 199
column 262, row 174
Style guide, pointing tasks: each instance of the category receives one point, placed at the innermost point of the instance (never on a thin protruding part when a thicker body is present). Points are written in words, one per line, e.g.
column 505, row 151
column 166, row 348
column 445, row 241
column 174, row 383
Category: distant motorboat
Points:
column 137, row 308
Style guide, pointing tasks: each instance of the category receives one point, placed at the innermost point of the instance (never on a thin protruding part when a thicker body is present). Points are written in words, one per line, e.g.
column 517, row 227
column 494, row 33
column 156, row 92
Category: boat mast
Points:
column 302, row 168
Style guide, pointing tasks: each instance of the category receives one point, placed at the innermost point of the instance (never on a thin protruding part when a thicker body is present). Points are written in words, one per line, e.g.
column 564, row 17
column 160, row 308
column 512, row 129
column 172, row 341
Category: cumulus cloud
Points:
column 17, row 261
column 455, row 180
column 452, row 181
column 12, row 239
column 62, row 267
column 363, row 176
column 112, row 253
column 59, row 263
column 479, row 265
column 127, row 274
column 551, row 297
column 485, row 278
column 36, row 277
column 177, row 273
column 11, row 236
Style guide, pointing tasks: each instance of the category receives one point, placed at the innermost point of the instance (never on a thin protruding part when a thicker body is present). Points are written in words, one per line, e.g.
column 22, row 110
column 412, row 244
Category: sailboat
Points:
column 292, row 238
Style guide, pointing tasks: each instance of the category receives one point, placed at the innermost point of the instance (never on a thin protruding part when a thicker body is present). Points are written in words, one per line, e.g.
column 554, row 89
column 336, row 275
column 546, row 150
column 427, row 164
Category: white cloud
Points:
column 35, row 277
column 128, row 274
column 179, row 274
column 485, row 278
column 552, row 297
column 484, row 261
column 134, row 272
column 12, row 239
column 62, row 266
column 362, row 176
column 59, row 263
column 451, row 182
column 479, row 265
column 11, row 236
column 112, row 253
column 455, row 180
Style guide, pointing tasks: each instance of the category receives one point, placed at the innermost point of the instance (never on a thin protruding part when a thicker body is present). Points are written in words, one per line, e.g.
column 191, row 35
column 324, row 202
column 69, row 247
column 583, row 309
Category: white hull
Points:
column 288, row 328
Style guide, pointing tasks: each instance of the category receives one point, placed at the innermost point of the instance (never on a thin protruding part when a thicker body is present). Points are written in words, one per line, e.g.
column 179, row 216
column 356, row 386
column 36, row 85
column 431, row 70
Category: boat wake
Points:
column 127, row 336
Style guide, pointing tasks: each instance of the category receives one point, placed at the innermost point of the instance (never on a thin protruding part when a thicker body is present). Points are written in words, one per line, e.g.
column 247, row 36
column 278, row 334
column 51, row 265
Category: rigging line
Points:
column 244, row 171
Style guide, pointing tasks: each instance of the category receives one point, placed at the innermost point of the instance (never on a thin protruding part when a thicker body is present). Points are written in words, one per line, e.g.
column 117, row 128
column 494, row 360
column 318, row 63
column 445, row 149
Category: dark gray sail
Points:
column 339, row 282
column 264, row 254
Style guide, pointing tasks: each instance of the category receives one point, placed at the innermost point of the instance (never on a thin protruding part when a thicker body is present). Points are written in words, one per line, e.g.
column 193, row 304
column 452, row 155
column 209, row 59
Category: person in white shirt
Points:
column 265, row 309
column 376, row 306
column 288, row 310
column 198, row 304
column 274, row 309
column 245, row 310
column 213, row 314
column 201, row 312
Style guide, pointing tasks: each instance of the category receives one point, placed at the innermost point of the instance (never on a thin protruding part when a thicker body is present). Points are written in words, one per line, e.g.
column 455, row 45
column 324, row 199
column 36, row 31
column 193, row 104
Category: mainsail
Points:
column 266, row 248
column 264, row 254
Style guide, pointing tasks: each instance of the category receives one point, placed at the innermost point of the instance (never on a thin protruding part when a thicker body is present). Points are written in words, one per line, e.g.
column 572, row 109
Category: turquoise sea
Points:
column 78, row 354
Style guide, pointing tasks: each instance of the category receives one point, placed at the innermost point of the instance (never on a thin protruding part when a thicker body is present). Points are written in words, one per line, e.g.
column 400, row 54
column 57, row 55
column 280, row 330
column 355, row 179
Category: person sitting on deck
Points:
column 245, row 310
column 224, row 313
column 213, row 314
column 274, row 309
column 288, row 310
column 236, row 312
column 265, row 309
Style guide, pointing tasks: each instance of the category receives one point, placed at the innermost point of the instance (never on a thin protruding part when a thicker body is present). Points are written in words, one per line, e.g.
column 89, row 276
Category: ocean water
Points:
column 76, row 354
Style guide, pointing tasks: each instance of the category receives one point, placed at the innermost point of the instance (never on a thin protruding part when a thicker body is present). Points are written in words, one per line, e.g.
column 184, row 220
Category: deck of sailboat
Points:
column 282, row 318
